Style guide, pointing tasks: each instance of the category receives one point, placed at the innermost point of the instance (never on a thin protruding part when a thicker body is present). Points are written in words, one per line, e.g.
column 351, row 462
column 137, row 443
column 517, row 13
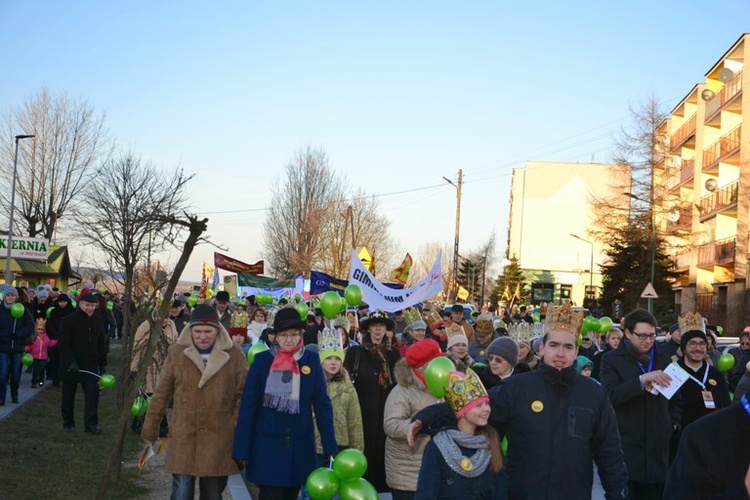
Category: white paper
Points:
column 678, row 376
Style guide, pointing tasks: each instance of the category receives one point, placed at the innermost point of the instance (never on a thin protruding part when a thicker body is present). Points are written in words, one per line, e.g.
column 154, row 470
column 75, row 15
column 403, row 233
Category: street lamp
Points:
column 653, row 242
column 8, row 272
column 591, row 269
column 458, row 227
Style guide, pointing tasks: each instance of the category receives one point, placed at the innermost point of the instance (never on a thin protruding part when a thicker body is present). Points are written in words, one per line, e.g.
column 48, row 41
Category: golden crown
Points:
column 691, row 321
column 454, row 329
column 411, row 315
column 462, row 390
column 484, row 323
column 520, row 332
column 433, row 319
column 564, row 319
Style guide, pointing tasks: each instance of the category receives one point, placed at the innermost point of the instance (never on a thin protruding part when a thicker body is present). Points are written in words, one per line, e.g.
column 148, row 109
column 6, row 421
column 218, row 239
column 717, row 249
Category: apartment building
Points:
column 705, row 193
column 549, row 203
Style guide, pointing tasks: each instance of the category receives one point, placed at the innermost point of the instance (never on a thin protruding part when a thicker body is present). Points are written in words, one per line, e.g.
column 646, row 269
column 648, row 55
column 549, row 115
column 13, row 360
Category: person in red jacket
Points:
column 38, row 350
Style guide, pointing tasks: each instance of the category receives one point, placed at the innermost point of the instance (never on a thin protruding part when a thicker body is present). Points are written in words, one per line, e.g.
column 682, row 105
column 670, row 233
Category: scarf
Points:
column 643, row 359
column 282, row 385
column 378, row 353
column 448, row 442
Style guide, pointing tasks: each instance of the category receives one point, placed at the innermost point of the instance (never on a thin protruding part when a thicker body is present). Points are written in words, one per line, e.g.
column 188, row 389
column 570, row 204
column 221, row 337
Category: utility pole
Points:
column 458, row 229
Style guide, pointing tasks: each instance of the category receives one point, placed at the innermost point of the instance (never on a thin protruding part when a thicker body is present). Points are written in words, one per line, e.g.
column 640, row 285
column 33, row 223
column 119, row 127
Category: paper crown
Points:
column 520, row 332
column 411, row 315
column 484, row 324
column 464, row 391
column 238, row 319
column 433, row 319
column 564, row 319
column 41, row 322
column 329, row 344
column 691, row 321
column 454, row 329
column 340, row 321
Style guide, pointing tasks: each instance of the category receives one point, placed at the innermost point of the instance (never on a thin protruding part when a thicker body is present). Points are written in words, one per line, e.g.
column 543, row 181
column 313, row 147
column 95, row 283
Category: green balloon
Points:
column 17, row 310
column 297, row 297
column 138, row 407
column 49, row 311
column 349, row 464
column 322, row 484
column 27, row 359
column 726, row 362
column 107, row 381
column 720, row 330
column 353, row 295
column 302, row 309
column 259, row 347
column 591, row 324
column 73, row 303
column 436, row 375
column 343, row 304
column 605, row 324
column 358, row 489
column 478, row 366
column 110, row 305
column 192, row 300
column 330, row 304
column 504, row 446
column 580, row 339
column 536, row 317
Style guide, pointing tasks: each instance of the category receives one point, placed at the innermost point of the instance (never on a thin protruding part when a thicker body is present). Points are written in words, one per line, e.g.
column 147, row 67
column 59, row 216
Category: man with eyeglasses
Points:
column 646, row 421
column 706, row 390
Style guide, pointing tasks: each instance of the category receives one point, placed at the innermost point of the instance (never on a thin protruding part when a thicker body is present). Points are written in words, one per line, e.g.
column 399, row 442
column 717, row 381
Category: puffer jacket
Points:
column 405, row 400
column 13, row 332
column 38, row 349
column 347, row 416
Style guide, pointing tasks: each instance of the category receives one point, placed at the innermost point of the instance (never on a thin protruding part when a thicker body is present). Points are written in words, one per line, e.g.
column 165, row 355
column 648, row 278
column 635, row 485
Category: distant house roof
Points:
column 57, row 264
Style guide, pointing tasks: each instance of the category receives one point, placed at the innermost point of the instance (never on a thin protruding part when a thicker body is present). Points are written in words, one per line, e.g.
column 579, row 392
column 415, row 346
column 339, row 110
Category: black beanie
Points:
column 204, row 314
column 506, row 348
column 688, row 336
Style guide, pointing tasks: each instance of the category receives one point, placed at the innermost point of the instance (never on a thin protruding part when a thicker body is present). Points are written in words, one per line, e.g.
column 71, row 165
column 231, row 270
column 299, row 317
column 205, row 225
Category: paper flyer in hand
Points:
column 678, row 376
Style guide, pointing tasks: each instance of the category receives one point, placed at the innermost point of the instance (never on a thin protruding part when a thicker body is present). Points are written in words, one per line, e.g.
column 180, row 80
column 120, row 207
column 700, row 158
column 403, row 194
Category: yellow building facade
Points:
column 705, row 192
column 549, row 203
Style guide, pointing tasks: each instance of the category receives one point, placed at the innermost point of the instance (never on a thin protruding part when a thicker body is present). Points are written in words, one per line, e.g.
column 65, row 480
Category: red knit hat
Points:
column 239, row 331
column 422, row 352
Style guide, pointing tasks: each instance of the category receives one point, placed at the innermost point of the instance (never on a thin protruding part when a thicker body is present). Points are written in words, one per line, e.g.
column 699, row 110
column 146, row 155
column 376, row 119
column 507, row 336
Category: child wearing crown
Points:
column 464, row 461
column 38, row 350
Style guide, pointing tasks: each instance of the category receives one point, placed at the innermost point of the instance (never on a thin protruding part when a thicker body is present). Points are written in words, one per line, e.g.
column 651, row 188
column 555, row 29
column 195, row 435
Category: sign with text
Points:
column 24, row 247
column 227, row 263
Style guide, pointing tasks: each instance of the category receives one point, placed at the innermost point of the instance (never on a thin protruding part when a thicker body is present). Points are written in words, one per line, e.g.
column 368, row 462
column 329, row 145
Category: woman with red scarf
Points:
column 371, row 369
column 274, row 435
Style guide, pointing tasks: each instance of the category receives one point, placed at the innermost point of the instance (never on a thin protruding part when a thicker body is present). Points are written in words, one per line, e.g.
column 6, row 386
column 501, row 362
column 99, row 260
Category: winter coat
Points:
column 438, row 481
column 55, row 319
column 347, row 417
column 479, row 351
column 140, row 345
column 226, row 320
column 13, row 332
column 205, row 400
column 81, row 340
column 556, row 423
column 712, row 458
column 181, row 321
column 693, row 406
column 461, row 363
column 38, row 349
column 408, row 397
column 39, row 310
column 280, row 447
column 646, row 421
column 744, row 384
column 372, row 399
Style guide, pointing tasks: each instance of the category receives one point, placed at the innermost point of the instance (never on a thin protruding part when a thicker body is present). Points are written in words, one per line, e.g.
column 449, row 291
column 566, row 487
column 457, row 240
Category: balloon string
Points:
column 90, row 373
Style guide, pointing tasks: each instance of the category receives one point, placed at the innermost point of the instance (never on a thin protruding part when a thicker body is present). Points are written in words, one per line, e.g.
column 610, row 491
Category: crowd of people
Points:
column 559, row 402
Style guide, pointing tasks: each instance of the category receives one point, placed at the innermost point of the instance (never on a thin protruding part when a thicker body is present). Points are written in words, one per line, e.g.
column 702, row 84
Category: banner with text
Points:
column 321, row 282
column 278, row 288
column 227, row 263
column 24, row 247
column 380, row 296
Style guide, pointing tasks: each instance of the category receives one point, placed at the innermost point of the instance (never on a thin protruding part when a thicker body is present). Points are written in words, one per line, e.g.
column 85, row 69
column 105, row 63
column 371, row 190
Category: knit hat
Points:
column 203, row 314
column 457, row 339
column 222, row 296
column 329, row 344
column 422, row 352
column 692, row 334
column 6, row 289
column 506, row 348
column 63, row 297
column 239, row 331
column 88, row 297
column 43, row 294
column 674, row 326
column 582, row 362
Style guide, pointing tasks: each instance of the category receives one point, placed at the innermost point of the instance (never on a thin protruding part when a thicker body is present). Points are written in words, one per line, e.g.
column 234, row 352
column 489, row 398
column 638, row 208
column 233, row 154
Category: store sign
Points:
column 24, row 248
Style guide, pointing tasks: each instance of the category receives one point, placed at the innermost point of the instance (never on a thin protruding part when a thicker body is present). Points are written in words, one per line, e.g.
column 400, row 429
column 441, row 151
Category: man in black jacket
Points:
column 557, row 423
column 645, row 420
column 82, row 348
column 62, row 308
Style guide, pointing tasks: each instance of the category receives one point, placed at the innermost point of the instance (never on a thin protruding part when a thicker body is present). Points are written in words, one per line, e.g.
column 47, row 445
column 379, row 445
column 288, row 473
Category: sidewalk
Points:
column 25, row 393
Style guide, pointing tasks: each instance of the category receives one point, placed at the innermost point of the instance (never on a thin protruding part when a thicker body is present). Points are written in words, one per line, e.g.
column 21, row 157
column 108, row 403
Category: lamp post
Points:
column 591, row 269
column 8, row 272
column 458, row 228
column 653, row 242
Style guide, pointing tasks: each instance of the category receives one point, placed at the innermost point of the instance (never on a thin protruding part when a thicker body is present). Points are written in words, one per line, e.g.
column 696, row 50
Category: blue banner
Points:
column 321, row 283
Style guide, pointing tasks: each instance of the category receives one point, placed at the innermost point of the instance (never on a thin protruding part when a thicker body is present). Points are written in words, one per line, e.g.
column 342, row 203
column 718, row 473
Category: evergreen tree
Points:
column 470, row 273
column 508, row 282
column 628, row 271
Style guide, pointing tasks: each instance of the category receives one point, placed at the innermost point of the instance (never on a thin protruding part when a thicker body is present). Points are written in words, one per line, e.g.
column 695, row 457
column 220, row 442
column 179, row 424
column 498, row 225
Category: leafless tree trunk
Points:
column 70, row 140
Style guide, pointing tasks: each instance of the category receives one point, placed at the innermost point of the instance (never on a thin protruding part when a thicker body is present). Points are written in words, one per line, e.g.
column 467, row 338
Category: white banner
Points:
column 379, row 296
column 24, row 247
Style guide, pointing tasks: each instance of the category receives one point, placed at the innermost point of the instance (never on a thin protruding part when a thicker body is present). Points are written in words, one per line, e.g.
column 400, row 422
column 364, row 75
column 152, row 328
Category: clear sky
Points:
column 399, row 94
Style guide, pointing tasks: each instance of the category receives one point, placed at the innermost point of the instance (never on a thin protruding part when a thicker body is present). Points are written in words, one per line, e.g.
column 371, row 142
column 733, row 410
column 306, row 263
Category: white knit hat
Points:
column 457, row 339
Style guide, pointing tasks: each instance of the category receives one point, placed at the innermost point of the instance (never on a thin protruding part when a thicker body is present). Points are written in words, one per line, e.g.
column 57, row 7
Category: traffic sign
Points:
column 649, row 292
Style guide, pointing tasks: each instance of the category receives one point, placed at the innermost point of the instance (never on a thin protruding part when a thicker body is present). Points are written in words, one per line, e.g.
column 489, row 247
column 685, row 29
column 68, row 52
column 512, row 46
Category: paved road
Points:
column 25, row 393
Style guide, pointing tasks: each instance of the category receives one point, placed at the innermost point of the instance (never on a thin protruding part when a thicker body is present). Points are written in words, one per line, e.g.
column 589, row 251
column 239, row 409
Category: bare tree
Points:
column 128, row 208
column 300, row 207
column 70, row 140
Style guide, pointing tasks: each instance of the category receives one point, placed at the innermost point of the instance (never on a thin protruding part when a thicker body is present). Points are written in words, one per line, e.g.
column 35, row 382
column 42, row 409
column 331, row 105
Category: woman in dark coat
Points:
column 13, row 333
column 274, row 435
column 371, row 368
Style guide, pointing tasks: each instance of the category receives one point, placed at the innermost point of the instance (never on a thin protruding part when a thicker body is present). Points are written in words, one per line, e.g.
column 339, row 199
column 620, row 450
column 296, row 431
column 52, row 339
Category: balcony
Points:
column 728, row 92
column 682, row 134
column 716, row 253
column 682, row 260
column 684, row 221
column 683, row 175
column 721, row 199
column 727, row 145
